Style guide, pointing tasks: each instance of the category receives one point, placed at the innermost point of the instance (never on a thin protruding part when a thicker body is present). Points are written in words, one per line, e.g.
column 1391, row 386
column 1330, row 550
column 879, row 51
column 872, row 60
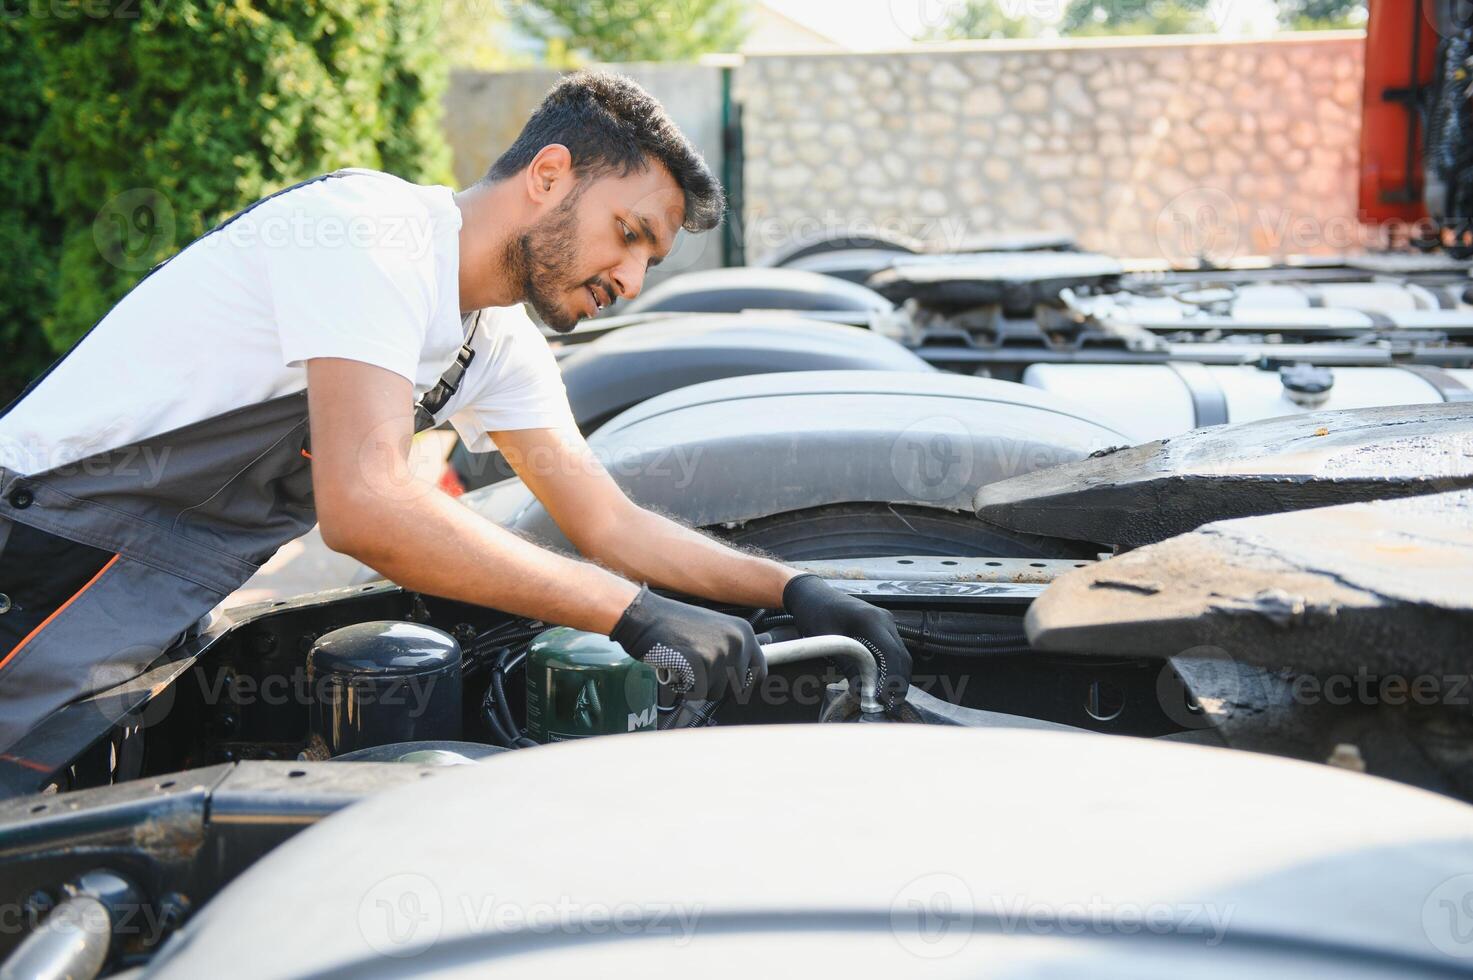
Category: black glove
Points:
column 703, row 651
column 819, row 609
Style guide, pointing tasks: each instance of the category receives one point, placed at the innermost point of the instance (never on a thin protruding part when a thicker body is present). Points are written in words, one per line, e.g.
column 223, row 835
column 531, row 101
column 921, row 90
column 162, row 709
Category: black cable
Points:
column 689, row 714
column 494, row 707
column 488, row 712
column 969, row 641
column 503, row 710
column 495, row 639
column 921, row 646
column 482, row 654
column 1013, row 641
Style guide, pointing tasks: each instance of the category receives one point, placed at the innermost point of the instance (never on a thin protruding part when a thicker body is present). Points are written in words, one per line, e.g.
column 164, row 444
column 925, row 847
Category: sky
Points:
column 865, row 25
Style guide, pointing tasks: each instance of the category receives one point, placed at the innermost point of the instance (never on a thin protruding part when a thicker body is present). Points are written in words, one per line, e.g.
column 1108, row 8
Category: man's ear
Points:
column 550, row 174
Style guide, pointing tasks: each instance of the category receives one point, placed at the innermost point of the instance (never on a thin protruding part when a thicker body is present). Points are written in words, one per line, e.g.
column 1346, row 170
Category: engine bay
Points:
column 253, row 689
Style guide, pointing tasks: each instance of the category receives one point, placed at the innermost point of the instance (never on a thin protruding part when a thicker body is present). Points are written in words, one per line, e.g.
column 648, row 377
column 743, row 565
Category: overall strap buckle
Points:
column 438, row 396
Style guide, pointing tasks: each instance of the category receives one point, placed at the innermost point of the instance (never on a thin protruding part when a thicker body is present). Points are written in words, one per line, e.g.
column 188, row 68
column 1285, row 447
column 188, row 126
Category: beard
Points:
column 543, row 258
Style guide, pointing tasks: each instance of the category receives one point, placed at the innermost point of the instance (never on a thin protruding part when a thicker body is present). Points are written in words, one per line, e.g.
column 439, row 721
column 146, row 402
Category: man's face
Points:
column 597, row 244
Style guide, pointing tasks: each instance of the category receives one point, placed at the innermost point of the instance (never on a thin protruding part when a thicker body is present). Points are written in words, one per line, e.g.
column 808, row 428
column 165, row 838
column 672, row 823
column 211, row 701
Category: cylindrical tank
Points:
column 1151, row 401
column 582, row 684
column 378, row 683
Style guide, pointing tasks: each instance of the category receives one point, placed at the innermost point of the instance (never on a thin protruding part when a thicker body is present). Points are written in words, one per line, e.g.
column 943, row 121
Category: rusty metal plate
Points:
column 1160, row 489
column 1384, row 587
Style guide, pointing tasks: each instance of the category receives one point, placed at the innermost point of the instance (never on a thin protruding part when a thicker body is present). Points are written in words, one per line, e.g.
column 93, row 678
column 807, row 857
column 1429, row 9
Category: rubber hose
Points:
column 504, row 738
column 966, row 640
column 689, row 714
column 488, row 711
column 920, row 646
column 503, row 710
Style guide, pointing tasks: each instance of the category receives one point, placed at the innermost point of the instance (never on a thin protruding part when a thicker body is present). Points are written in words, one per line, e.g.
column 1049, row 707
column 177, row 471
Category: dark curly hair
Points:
column 611, row 125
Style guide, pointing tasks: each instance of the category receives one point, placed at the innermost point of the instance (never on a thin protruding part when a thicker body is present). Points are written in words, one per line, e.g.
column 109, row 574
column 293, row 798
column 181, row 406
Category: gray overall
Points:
column 108, row 561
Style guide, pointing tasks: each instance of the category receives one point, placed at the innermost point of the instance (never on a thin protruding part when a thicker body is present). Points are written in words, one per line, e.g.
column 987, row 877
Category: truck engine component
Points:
column 71, row 944
column 839, row 648
column 379, row 683
column 583, row 684
column 79, row 936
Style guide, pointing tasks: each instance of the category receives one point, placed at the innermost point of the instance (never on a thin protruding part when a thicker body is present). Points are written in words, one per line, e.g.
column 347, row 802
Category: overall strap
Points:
column 438, row 396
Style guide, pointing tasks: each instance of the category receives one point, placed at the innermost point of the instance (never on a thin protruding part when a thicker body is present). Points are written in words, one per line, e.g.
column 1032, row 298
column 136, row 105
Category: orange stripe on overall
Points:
column 58, row 611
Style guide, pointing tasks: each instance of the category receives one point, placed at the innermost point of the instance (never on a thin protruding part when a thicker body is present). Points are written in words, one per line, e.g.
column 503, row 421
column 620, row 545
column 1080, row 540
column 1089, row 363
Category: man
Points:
column 272, row 374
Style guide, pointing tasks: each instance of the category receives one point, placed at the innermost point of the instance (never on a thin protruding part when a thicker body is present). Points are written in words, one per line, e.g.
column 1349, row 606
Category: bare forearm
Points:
column 432, row 544
column 650, row 548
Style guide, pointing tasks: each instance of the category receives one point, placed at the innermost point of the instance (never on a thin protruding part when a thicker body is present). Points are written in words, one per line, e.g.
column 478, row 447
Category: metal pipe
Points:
column 841, row 648
column 814, row 647
column 71, row 942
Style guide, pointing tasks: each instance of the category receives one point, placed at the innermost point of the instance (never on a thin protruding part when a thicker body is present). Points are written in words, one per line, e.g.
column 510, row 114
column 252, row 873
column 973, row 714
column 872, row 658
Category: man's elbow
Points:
column 347, row 528
column 337, row 535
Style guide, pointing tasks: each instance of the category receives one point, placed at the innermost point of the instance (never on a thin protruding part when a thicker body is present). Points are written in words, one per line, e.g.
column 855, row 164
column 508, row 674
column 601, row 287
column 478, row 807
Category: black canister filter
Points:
column 383, row 682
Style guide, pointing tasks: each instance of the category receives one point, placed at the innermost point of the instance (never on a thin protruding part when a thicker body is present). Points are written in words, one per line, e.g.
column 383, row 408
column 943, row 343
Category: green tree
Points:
column 634, row 30
column 1306, row 15
column 409, row 139
column 29, row 232
column 1085, row 17
column 159, row 129
column 469, row 35
column 982, row 20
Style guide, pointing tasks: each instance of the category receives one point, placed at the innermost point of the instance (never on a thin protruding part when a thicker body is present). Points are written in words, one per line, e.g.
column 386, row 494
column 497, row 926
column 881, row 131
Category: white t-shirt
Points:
column 363, row 266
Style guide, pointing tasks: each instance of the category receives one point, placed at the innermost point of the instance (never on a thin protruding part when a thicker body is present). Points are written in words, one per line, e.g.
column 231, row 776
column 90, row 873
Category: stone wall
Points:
column 1139, row 147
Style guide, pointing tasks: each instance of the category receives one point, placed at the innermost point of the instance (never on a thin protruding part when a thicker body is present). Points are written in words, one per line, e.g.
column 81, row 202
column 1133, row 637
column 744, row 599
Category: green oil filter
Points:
column 581, row 684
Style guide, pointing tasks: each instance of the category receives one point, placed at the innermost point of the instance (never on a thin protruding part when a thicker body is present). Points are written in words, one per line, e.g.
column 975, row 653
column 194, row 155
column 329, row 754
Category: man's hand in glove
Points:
column 704, row 652
column 818, row 609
